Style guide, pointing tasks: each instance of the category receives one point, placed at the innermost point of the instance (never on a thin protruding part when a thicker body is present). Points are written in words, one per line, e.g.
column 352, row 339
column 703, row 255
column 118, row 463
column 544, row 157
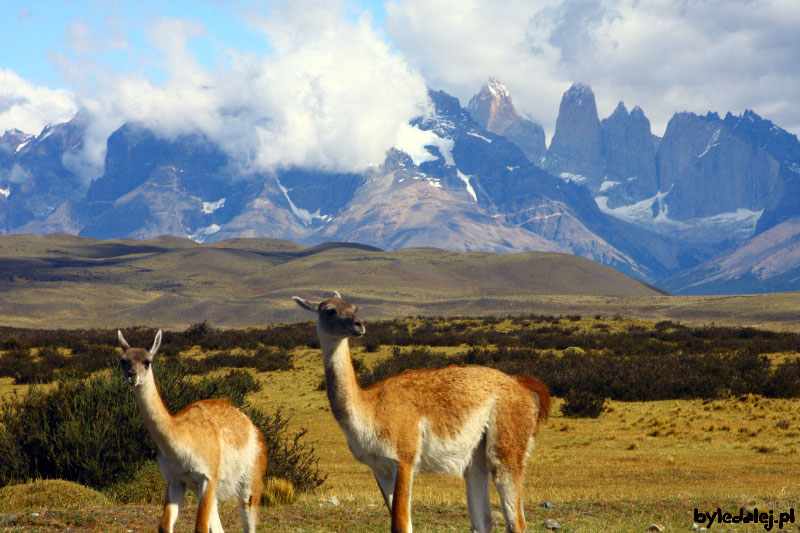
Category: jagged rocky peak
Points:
column 576, row 152
column 579, row 94
column 13, row 139
column 710, row 170
column 620, row 110
column 497, row 89
column 493, row 109
column 491, row 103
column 630, row 157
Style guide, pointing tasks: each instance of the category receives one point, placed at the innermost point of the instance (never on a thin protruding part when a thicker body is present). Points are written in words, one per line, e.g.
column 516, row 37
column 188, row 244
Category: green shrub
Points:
column 275, row 358
column 91, row 432
column 582, row 404
column 18, row 364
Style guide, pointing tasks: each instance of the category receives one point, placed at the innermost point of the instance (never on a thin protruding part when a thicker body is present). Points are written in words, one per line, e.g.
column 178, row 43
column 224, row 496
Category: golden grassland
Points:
column 639, row 463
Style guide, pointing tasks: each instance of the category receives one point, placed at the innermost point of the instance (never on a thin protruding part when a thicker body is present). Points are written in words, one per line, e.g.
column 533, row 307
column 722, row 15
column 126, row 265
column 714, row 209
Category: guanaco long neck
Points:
column 344, row 392
column 157, row 418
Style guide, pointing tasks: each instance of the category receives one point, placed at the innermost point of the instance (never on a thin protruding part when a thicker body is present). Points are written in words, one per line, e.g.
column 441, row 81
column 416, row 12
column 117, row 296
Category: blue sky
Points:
column 312, row 76
column 33, row 31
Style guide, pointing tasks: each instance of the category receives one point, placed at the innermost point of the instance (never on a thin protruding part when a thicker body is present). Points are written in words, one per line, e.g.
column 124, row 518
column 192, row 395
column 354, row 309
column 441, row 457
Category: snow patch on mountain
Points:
column 577, row 178
column 711, row 143
column 739, row 224
column 414, row 142
column 640, row 212
column 463, row 177
column 210, row 207
column 479, row 136
column 47, row 132
column 305, row 217
column 608, row 184
column 5, row 192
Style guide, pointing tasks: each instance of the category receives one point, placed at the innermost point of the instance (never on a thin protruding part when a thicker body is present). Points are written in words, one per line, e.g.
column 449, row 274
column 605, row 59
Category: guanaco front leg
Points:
column 173, row 499
column 401, row 502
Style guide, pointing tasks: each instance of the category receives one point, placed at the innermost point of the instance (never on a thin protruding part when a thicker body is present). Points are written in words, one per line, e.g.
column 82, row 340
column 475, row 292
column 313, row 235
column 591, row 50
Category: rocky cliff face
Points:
column 784, row 148
column 153, row 186
column 576, row 150
column 629, row 154
column 493, row 110
column 34, row 178
column 706, row 170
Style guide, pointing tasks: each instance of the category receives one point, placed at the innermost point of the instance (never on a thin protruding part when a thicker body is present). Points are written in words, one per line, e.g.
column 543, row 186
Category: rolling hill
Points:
column 67, row 281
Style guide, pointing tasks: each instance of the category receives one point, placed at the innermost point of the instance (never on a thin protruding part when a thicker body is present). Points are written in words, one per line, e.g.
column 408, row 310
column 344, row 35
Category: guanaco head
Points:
column 137, row 363
column 336, row 317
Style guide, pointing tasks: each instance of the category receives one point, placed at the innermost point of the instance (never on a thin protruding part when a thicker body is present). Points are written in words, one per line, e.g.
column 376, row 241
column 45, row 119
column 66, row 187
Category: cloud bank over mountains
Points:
column 29, row 108
column 331, row 90
column 663, row 55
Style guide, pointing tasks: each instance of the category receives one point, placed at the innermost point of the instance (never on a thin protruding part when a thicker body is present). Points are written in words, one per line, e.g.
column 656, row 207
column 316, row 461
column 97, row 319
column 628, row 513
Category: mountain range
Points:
column 710, row 207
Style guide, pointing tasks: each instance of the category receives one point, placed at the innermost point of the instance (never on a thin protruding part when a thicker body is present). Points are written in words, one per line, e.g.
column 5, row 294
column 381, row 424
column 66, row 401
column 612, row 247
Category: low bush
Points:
column 582, row 404
column 18, row 363
column 91, row 432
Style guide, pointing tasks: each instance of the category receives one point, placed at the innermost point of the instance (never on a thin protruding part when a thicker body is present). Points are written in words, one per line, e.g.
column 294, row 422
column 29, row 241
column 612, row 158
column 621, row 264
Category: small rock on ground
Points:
column 552, row 524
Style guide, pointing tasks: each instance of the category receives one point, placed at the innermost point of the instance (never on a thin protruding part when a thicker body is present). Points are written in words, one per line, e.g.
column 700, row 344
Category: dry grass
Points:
column 638, row 463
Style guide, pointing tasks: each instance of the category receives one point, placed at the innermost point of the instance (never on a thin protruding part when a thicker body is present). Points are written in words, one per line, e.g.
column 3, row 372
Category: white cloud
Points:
column 331, row 94
column 662, row 55
column 29, row 108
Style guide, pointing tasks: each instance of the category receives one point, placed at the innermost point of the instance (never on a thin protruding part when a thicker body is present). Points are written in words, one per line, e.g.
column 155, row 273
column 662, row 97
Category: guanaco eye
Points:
column 330, row 312
column 146, row 363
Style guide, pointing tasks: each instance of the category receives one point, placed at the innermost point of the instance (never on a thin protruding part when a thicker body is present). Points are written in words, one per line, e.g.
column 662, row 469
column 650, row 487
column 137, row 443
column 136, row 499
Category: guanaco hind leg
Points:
column 386, row 484
column 476, row 478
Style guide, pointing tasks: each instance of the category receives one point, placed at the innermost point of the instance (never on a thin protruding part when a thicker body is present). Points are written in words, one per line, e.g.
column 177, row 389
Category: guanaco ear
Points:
column 305, row 304
column 337, row 295
column 122, row 341
column 156, row 344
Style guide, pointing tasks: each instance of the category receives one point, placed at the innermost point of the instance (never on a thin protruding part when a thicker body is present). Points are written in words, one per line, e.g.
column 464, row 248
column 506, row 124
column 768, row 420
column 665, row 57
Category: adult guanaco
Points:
column 472, row 421
column 209, row 447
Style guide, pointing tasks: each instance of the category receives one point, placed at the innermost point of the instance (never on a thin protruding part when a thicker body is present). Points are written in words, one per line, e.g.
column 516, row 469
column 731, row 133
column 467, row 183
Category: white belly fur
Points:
column 436, row 454
column 452, row 455
column 190, row 469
